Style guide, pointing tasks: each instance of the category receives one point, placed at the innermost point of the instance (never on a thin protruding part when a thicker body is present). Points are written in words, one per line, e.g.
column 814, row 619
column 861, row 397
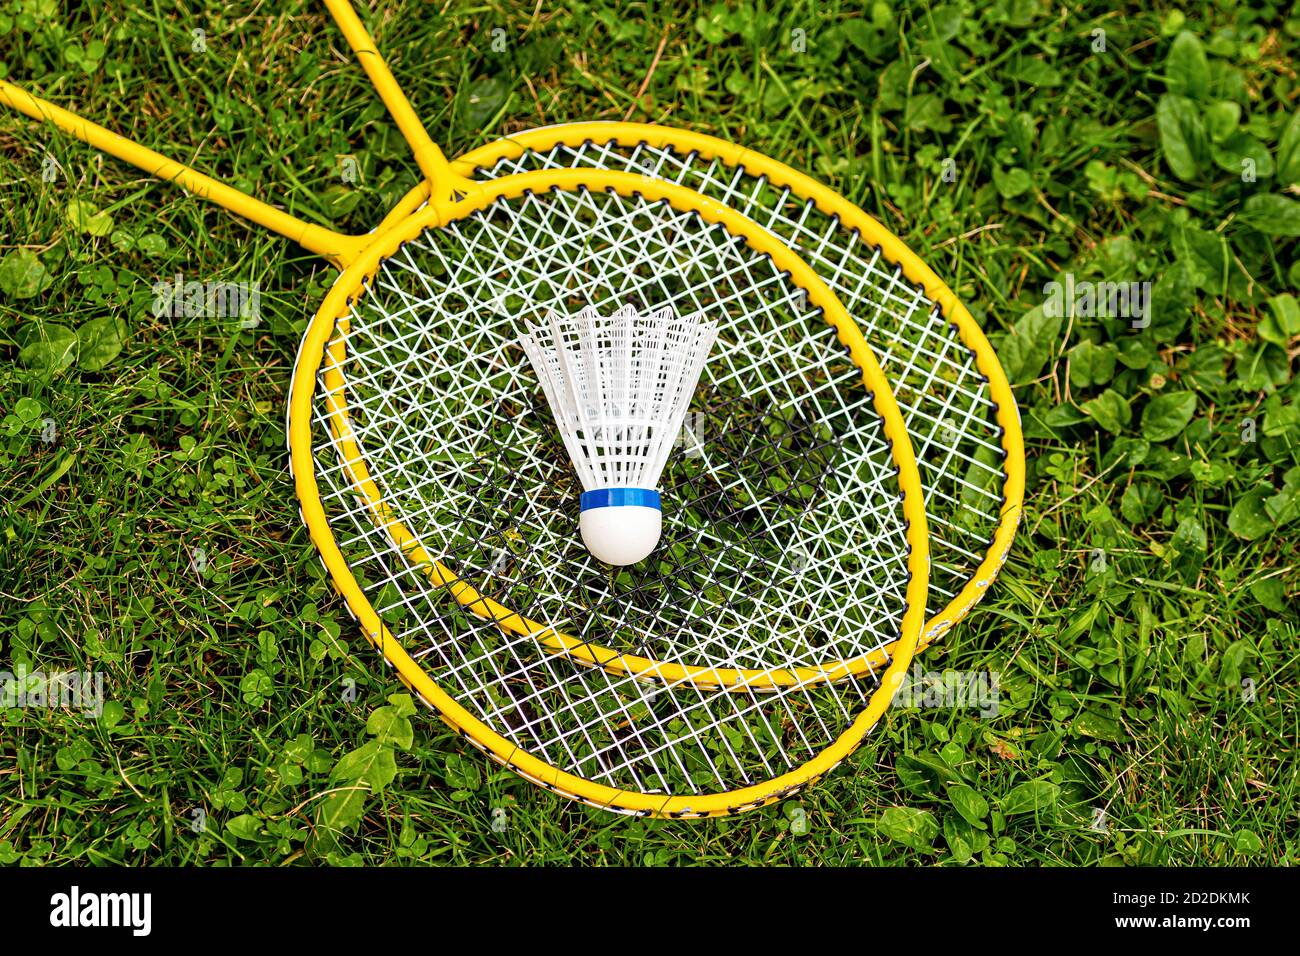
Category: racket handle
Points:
column 336, row 247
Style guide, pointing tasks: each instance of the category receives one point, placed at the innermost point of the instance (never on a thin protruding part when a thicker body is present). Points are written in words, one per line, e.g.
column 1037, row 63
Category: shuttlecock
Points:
column 619, row 388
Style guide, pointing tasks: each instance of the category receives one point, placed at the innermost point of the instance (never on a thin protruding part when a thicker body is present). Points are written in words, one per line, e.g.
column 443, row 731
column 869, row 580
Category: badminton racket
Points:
column 414, row 331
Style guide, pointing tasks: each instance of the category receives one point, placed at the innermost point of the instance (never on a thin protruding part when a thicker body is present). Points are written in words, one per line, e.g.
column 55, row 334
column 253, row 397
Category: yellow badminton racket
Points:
column 417, row 342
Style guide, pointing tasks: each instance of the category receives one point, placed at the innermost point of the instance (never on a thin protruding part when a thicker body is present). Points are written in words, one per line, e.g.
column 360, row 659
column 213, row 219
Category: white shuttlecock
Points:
column 619, row 388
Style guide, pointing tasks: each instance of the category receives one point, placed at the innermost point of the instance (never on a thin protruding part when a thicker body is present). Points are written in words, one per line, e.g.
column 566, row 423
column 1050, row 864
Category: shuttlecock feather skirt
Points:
column 619, row 388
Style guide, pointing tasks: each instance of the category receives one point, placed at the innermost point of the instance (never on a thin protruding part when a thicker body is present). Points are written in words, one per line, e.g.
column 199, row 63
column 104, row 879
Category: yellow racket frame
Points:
column 315, row 354
column 359, row 257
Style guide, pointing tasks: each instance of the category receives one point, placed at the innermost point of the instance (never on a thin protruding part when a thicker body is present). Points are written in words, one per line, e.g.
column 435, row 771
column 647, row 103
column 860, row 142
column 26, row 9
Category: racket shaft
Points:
column 338, row 248
column 433, row 164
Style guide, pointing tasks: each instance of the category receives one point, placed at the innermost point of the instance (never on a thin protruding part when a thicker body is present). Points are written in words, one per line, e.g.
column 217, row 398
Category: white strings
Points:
column 785, row 545
column 942, row 394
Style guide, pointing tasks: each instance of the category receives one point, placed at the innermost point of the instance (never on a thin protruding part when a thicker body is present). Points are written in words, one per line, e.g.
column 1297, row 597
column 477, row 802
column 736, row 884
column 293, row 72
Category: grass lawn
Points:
column 1144, row 631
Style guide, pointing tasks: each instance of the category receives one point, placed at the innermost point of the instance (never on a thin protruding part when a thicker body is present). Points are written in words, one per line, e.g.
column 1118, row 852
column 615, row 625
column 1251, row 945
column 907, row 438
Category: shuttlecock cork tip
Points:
column 620, row 526
column 619, row 388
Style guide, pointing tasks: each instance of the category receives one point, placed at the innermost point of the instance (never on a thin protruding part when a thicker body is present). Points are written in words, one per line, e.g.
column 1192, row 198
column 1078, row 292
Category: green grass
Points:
column 1156, row 568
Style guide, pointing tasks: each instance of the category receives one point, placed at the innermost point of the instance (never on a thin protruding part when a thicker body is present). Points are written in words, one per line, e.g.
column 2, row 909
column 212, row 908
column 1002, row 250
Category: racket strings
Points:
column 784, row 543
column 608, row 728
column 937, row 383
column 815, row 566
column 741, row 499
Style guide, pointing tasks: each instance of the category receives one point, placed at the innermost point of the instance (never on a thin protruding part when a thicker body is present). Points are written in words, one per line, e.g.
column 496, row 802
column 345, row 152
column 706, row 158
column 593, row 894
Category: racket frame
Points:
column 359, row 258
column 315, row 355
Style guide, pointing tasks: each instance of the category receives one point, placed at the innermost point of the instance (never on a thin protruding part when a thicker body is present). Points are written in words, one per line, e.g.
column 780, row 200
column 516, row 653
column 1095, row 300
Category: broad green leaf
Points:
column 910, row 826
column 1249, row 518
column 371, row 763
column 969, row 803
column 1247, row 842
column 22, row 274
column 1187, row 72
column 1286, row 310
column 114, row 713
column 1290, row 493
column 27, row 410
column 1064, row 415
column 298, row 749
column 924, row 773
column 245, row 827
column 1271, row 593
column 1282, row 323
column 151, row 244
column 1026, row 349
column 1272, row 214
column 1034, row 71
column 85, row 218
column 404, row 704
column 1117, row 255
column 958, row 845
column 1011, row 183
column 893, row 84
column 1221, row 120
column 860, row 34
column 342, row 808
column 1110, row 410
column 98, row 342
column 389, row 726
column 963, row 839
column 1206, row 256
column 1092, row 364
column 925, row 112
column 1167, row 415
column 1020, row 135
column 1288, row 151
column 1089, row 723
column 1285, row 505
column 1140, row 501
column 945, row 21
column 1182, row 135
column 48, row 347
column 1233, row 658
column 1033, row 795
column 1232, row 155
column 1171, row 301
column 123, row 240
column 712, row 27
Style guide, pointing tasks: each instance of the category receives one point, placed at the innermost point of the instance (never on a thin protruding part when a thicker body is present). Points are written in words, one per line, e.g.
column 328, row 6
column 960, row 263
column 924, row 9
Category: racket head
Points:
column 960, row 409
column 334, row 459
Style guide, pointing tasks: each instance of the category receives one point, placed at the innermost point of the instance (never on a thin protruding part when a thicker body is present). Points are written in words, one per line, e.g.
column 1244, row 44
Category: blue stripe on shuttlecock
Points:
column 615, row 497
